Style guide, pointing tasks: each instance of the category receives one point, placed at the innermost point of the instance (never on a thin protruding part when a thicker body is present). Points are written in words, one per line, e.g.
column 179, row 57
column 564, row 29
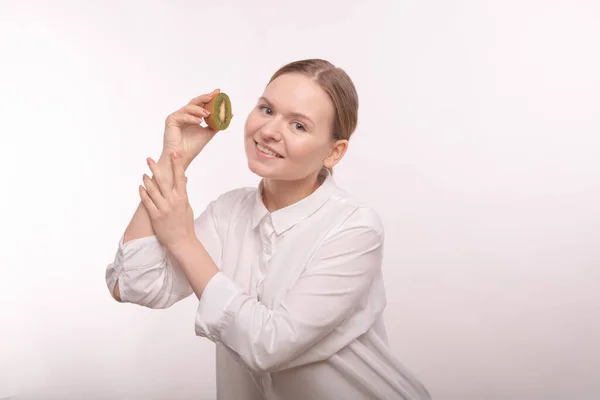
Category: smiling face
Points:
column 288, row 134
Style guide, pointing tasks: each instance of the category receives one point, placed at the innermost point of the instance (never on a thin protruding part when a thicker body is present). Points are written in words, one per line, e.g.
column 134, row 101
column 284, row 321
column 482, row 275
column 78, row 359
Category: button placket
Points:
column 267, row 233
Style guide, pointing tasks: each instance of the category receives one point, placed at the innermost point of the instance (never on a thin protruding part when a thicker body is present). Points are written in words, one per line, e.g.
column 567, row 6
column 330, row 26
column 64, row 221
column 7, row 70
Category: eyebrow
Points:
column 295, row 114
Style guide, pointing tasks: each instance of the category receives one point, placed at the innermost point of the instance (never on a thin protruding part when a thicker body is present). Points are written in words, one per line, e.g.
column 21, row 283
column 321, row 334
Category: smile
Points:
column 264, row 152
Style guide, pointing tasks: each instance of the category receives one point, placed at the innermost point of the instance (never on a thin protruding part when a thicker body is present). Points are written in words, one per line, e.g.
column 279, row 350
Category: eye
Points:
column 299, row 126
column 266, row 110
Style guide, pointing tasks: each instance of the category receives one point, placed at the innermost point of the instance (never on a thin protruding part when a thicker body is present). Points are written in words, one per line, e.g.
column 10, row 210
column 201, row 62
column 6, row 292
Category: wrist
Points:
column 164, row 161
column 183, row 247
column 195, row 263
column 165, row 170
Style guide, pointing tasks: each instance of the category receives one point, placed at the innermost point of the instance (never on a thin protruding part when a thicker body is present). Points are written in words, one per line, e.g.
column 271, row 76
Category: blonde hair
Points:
column 338, row 85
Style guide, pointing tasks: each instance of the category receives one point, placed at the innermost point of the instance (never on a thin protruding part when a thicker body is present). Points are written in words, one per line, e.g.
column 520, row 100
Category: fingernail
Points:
column 206, row 112
column 149, row 161
column 175, row 155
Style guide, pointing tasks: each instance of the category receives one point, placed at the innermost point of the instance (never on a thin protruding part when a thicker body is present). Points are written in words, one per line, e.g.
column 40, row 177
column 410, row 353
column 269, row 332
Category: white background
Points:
column 478, row 144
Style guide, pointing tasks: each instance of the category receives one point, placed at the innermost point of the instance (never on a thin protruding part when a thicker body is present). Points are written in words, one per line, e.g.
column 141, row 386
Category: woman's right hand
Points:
column 183, row 132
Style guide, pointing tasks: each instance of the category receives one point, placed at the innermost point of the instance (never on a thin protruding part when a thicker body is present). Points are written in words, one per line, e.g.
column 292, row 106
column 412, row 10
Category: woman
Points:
column 288, row 274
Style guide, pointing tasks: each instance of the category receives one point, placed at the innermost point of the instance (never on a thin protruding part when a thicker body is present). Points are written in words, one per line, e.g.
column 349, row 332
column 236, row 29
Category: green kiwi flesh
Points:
column 220, row 109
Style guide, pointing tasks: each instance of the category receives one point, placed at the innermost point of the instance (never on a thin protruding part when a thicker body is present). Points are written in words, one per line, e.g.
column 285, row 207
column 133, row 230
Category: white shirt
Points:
column 296, row 309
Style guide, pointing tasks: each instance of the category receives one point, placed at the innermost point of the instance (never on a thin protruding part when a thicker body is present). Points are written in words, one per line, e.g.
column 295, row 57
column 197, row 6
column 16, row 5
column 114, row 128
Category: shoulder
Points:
column 358, row 215
column 355, row 234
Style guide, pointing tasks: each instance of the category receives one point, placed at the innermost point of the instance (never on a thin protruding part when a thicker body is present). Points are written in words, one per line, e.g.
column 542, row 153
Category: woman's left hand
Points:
column 168, row 206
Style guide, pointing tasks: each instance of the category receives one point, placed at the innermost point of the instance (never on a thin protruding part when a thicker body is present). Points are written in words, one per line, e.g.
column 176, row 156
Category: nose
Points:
column 271, row 131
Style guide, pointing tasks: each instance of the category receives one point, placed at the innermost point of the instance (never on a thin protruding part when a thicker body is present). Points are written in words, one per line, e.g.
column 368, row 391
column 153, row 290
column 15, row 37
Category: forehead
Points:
column 296, row 93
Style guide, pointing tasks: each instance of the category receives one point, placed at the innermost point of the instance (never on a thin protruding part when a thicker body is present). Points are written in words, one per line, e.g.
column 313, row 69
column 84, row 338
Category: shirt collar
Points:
column 285, row 218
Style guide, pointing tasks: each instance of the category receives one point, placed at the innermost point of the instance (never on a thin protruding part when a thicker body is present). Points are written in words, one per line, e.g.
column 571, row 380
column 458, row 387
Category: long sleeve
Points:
column 147, row 274
column 333, row 291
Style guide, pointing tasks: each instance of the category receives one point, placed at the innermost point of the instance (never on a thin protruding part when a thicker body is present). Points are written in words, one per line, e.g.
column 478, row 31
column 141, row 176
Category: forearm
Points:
column 140, row 225
column 196, row 264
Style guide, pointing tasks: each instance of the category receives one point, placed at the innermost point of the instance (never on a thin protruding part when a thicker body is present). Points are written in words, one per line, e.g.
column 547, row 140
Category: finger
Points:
column 157, row 198
column 179, row 177
column 148, row 204
column 181, row 119
column 157, row 176
column 195, row 110
column 204, row 98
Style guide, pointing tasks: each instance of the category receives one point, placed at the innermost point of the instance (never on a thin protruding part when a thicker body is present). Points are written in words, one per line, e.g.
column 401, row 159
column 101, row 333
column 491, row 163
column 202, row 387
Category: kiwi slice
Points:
column 220, row 112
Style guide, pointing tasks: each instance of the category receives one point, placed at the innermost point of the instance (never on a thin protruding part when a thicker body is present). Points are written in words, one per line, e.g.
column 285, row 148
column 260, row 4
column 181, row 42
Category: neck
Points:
column 278, row 194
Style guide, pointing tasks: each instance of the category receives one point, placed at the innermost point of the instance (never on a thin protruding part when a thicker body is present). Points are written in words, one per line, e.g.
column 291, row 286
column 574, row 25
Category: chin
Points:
column 267, row 172
column 261, row 166
column 262, row 170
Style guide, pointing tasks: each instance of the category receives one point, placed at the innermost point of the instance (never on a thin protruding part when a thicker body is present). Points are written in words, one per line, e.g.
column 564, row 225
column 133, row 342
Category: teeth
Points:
column 265, row 150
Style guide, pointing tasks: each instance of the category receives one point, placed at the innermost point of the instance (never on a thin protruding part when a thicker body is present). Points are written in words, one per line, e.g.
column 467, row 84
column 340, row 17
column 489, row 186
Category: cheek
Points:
column 306, row 150
column 253, row 123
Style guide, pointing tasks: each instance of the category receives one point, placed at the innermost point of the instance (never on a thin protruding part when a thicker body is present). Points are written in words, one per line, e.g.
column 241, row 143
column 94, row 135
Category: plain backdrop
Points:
column 478, row 143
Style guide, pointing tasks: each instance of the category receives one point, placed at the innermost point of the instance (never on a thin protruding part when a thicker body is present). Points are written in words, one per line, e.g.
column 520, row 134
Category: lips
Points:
column 267, row 150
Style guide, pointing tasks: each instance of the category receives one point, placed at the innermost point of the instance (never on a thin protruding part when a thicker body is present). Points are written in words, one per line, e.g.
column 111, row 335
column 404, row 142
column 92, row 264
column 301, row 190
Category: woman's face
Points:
column 288, row 133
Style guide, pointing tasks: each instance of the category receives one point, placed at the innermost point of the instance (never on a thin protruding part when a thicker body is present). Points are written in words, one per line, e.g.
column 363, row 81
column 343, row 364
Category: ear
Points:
column 335, row 155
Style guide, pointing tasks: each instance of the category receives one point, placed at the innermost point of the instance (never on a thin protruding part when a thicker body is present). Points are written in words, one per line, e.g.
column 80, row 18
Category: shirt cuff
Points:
column 213, row 310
